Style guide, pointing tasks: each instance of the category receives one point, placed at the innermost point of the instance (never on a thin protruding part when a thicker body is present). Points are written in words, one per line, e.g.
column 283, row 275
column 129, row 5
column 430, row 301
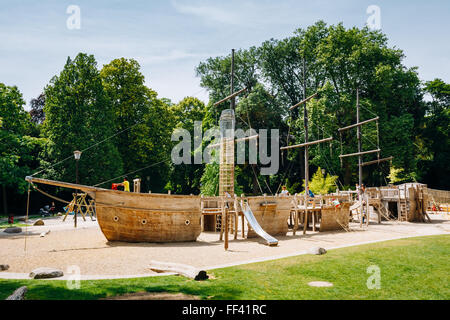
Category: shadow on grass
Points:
column 94, row 290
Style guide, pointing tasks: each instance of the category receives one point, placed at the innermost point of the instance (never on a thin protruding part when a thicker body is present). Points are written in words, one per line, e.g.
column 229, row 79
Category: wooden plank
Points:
column 376, row 161
column 61, row 184
column 359, row 153
column 230, row 97
column 303, row 101
column 307, row 144
column 247, row 138
column 358, row 124
column 182, row 269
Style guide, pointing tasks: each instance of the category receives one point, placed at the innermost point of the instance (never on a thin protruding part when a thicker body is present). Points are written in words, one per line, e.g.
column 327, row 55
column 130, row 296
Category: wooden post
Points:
column 137, row 185
column 233, row 101
column 75, row 210
column 305, row 125
column 359, row 156
column 226, row 231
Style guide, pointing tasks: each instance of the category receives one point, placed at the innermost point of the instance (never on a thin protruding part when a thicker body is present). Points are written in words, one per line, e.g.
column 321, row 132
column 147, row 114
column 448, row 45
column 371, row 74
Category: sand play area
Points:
column 96, row 258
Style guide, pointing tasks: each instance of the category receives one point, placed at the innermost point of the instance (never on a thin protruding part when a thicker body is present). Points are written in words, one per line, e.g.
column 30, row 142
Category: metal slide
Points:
column 248, row 213
column 355, row 206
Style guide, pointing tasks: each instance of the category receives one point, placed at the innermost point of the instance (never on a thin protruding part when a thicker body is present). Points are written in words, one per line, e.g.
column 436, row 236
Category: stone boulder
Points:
column 317, row 250
column 19, row 294
column 39, row 222
column 46, row 273
column 13, row 230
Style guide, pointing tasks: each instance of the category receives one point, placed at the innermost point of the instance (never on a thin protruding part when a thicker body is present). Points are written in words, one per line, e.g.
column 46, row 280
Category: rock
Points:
column 22, row 219
column 46, row 273
column 43, row 234
column 4, row 267
column 39, row 222
column 19, row 294
column 13, row 230
column 318, row 250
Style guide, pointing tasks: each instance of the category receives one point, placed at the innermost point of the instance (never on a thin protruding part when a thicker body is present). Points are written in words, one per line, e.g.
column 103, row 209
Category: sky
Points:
column 169, row 38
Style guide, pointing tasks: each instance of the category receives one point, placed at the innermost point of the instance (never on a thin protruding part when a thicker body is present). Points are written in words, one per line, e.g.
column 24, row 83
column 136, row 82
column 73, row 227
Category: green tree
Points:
column 321, row 184
column 435, row 138
column 145, row 123
column 185, row 178
column 78, row 114
column 18, row 150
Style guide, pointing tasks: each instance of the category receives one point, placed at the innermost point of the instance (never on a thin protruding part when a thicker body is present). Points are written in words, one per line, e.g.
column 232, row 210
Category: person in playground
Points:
column 125, row 184
column 310, row 195
column 227, row 195
column 284, row 191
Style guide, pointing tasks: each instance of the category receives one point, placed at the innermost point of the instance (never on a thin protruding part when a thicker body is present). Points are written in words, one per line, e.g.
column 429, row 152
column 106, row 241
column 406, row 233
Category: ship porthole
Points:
column 144, row 221
column 116, row 218
column 187, row 222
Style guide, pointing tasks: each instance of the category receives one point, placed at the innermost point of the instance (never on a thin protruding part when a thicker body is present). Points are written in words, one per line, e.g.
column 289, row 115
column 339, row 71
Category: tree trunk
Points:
column 255, row 181
column 348, row 174
column 5, row 204
column 302, row 165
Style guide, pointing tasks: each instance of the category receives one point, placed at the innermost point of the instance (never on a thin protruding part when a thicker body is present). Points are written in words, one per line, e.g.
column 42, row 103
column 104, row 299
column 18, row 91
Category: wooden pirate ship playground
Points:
column 149, row 217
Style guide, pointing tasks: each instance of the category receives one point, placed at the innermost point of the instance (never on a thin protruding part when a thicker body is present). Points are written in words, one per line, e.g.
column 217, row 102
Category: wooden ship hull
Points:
column 139, row 217
column 272, row 214
column 142, row 217
column 335, row 218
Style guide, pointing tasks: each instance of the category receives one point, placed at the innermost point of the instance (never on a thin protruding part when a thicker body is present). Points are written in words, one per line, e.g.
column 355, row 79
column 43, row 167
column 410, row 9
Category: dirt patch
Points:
column 153, row 296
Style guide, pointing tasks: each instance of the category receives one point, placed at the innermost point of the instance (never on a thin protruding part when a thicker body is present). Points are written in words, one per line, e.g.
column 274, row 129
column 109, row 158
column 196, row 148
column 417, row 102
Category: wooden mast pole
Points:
column 233, row 99
column 306, row 144
column 231, row 182
column 360, row 154
column 305, row 124
column 359, row 157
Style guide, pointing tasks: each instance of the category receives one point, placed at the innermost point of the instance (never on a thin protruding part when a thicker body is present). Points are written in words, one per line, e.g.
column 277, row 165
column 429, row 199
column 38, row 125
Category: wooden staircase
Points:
column 404, row 210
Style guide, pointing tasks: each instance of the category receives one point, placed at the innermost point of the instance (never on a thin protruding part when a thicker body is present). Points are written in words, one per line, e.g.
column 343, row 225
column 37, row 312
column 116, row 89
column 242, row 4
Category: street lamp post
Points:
column 77, row 155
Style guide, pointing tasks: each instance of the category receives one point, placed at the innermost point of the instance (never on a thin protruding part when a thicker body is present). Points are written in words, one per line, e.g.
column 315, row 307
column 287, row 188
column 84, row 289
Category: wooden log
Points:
column 19, row 294
column 303, row 101
column 62, row 184
column 358, row 124
column 359, row 153
column 181, row 269
column 230, row 97
column 376, row 161
column 306, row 144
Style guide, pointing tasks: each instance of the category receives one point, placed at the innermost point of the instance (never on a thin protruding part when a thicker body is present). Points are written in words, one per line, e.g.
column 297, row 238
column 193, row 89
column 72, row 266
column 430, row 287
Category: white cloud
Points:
column 209, row 13
column 170, row 56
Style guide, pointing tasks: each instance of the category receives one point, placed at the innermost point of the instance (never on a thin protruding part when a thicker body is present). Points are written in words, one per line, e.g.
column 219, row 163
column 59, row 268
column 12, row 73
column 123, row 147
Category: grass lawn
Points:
column 4, row 222
column 415, row 268
column 15, row 224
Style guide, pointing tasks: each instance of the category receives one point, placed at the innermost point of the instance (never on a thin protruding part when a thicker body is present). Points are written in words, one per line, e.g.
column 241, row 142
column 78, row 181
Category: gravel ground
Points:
column 87, row 248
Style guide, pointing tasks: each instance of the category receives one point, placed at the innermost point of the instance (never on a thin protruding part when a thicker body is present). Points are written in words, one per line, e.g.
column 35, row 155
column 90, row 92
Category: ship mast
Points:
column 227, row 123
column 360, row 153
column 307, row 143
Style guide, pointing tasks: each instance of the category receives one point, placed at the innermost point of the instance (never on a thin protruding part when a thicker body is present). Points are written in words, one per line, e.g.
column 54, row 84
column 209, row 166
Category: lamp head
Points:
column 77, row 154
